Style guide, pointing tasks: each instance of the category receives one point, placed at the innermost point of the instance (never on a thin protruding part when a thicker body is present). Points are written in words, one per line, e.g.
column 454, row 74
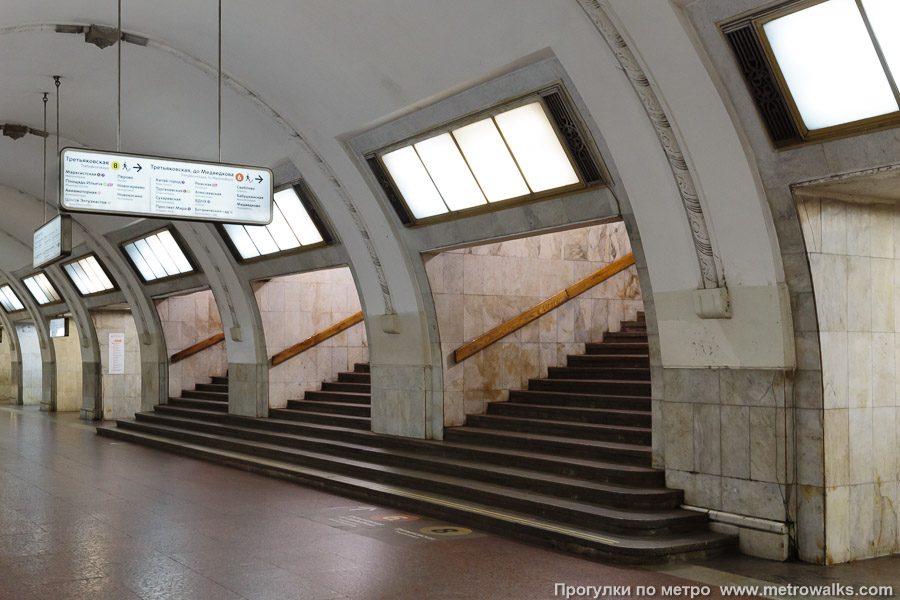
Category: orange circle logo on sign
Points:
column 239, row 176
column 394, row 518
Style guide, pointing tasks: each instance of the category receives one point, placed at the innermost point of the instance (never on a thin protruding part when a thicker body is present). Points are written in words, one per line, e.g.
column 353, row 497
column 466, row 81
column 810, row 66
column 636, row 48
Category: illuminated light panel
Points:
column 536, row 147
column 158, row 255
column 884, row 16
column 291, row 227
column 414, row 183
column 41, row 288
column 450, row 173
column 9, row 300
column 490, row 161
column 830, row 64
column 88, row 276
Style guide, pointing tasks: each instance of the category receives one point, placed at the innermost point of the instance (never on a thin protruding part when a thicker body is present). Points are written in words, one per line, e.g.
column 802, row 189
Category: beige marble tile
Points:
column 884, row 444
column 679, row 424
column 829, row 273
column 837, row 445
column 707, row 439
column 834, row 227
column 859, row 347
column 882, row 295
column 882, row 224
column 837, row 524
column 859, row 230
column 859, row 293
column 883, row 369
column 835, row 369
column 764, row 441
column 862, row 522
column 861, row 446
column 810, row 212
column 736, row 441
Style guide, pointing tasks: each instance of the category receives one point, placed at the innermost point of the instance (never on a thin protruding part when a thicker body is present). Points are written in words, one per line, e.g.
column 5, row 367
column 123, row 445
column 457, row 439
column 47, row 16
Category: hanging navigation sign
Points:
column 52, row 240
column 150, row 186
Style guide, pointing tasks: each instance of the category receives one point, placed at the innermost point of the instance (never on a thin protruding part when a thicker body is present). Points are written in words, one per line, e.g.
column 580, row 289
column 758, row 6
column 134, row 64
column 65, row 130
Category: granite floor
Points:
column 87, row 517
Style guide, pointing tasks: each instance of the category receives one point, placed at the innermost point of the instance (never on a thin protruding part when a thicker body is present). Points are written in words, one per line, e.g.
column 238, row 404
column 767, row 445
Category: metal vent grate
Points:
column 770, row 101
column 574, row 138
column 388, row 187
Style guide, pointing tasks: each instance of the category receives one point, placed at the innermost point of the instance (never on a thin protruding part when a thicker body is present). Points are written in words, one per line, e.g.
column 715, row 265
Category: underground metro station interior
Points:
column 418, row 299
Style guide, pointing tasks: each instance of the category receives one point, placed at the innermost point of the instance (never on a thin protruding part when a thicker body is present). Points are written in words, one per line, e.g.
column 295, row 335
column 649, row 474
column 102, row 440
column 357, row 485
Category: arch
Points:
column 15, row 370
column 48, row 354
column 91, row 388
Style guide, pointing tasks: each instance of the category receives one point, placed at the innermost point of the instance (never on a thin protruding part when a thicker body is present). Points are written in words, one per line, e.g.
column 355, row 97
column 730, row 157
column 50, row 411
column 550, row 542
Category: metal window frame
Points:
column 756, row 21
column 114, row 288
column 17, row 311
column 52, row 302
column 405, row 214
column 181, row 246
column 309, row 203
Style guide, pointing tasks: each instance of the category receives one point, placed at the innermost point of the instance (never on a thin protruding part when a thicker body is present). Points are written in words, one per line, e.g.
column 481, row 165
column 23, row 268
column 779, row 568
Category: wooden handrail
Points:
column 289, row 353
column 199, row 346
column 538, row 310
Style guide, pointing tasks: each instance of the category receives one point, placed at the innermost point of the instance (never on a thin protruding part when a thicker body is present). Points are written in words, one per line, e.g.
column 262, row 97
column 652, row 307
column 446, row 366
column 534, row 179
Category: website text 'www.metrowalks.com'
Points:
column 832, row 590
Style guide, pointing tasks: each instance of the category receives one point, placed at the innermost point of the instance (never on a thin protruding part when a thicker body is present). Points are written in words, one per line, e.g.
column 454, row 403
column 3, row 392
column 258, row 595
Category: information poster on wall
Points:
column 152, row 186
column 117, row 354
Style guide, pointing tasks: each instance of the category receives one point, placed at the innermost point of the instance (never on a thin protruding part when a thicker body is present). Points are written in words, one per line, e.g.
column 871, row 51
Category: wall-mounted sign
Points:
column 150, row 186
column 117, row 354
column 52, row 240
column 59, row 328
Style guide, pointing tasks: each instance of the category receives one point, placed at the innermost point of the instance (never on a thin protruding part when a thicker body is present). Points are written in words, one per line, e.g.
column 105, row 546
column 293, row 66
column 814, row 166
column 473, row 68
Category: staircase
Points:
column 564, row 463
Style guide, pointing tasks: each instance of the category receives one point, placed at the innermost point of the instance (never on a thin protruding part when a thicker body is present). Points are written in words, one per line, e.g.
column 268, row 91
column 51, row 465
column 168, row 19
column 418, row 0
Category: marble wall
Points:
column 6, row 391
column 68, row 371
column 121, row 393
column 478, row 288
column 32, row 365
column 854, row 254
column 187, row 320
column 293, row 308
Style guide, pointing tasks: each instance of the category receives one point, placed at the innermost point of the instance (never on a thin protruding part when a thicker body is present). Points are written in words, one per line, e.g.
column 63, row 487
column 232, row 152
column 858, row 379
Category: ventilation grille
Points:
column 388, row 187
column 770, row 101
column 573, row 136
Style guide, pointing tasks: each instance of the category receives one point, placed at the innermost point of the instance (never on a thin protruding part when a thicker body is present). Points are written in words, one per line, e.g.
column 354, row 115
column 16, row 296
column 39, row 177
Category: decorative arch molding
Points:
column 15, row 367
column 48, row 353
column 684, row 179
column 300, row 139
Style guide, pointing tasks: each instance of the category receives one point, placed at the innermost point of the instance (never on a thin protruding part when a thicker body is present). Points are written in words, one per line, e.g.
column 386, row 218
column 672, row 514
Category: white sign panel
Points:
column 149, row 186
column 117, row 354
column 52, row 240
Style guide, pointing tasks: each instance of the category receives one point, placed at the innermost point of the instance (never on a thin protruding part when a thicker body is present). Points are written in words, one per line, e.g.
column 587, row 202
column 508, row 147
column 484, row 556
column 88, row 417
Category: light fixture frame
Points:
column 757, row 20
column 114, row 288
column 35, row 274
column 538, row 95
column 309, row 203
column 13, row 312
column 181, row 246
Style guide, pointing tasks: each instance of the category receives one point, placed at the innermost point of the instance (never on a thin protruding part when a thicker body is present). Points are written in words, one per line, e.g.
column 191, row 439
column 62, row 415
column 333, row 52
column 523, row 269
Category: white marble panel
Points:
column 837, row 447
column 882, row 223
column 859, row 346
column 829, row 273
column 883, row 369
column 882, row 294
column 835, row 369
column 859, row 230
column 837, row 523
column 834, row 227
column 861, row 446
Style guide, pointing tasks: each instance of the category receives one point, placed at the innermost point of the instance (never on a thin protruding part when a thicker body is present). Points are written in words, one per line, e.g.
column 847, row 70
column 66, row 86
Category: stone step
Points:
column 340, row 386
column 581, row 400
column 550, row 444
column 555, row 427
column 625, row 336
column 319, row 418
column 612, row 360
column 325, row 396
column 592, row 386
column 637, row 522
column 299, row 423
column 354, row 377
column 361, row 368
column 223, row 396
column 220, row 380
column 212, row 387
column 211, row 405
column 618, row 373
column 339, row 408
column 536, row 529
column 609, row 348
column 615, row 495
column 629, row 418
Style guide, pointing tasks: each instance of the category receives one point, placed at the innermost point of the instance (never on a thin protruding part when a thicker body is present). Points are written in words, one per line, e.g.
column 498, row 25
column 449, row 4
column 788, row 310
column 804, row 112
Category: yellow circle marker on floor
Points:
column 445, row 530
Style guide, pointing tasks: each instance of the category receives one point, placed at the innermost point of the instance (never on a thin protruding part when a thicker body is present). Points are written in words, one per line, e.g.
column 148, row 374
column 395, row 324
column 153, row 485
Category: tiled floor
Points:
column 86, row 517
